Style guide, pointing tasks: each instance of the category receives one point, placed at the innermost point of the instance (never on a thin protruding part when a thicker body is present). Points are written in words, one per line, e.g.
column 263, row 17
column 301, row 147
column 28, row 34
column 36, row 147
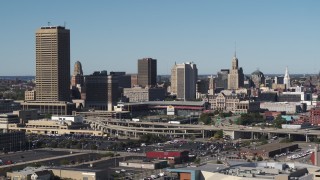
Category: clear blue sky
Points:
column 112, row 35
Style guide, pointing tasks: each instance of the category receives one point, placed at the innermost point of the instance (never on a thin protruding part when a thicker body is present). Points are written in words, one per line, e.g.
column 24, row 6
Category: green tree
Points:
column 219, row 162
column 259, row 158
column 250, row 118
column 279, row 121
column 218, row 134
column 197, row 161
column 205, row 118
column 64, row 162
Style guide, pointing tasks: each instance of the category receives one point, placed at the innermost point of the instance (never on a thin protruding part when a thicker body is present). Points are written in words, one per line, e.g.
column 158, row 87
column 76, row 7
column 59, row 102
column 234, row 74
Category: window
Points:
column 85, row 178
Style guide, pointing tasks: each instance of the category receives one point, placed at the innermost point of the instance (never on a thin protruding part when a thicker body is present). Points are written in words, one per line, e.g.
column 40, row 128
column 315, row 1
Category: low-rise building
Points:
column 288, row 107
column 12, row 141
column 6, row 119
column 31, row 173
column 74, row 119
column 50, row 127
column 138, row 94
column 315, row 116
column 25, row 115
column 8, row 105
column 234, row 103
column 50, row 107
column 244, row 107
column 79, row 173
column 173, row 157
column 157, row 164
column 30, row 95
column 224, row 102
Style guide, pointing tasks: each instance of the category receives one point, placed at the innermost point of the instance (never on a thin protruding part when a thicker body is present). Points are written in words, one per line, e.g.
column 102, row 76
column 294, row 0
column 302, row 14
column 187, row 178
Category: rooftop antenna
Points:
column 64, row 24
column 235, row 48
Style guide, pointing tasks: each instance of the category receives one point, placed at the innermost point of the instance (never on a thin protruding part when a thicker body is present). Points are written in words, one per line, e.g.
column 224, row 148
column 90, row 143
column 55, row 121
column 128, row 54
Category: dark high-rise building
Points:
column 53, row 64
column 113, row 91
column 147, row 72
column 222, row 79
column 97, row 90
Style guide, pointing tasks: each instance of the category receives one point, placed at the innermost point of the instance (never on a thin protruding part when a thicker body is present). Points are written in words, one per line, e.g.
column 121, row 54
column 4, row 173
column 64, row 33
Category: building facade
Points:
column 257, row 78
column 8, row 105
column 12, row 141
column 222, row 102
column 138, row 94
column 30, row 95
column 183, row 80
column 77, row 76
column 96, row 86
column 53, row 64
column 235, row 76
column 222, row 79
column 286, row 79
column 147, row 72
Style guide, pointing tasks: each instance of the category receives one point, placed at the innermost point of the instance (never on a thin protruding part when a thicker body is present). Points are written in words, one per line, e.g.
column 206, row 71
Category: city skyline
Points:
column 270, row 35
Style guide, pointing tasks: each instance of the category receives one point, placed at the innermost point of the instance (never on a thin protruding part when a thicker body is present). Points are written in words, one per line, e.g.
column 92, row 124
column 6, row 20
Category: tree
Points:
column 205, row 118
column 279, row 121
column 259, row 158
column 197, row 161
column 218, row 134
column 250, row 118
column 219, row 162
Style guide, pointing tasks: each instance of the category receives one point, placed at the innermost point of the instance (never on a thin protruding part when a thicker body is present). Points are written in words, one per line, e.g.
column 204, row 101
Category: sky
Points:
column 270, row 35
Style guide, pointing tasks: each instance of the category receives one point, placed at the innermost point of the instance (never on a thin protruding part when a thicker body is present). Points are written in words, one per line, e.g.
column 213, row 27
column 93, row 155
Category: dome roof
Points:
column 258, row 73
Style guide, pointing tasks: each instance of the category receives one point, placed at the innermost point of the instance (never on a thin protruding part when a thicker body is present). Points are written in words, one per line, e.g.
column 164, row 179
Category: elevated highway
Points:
column 133, row 129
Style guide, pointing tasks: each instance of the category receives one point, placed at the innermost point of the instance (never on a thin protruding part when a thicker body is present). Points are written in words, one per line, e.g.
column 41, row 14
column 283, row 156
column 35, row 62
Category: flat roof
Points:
column 167, row 103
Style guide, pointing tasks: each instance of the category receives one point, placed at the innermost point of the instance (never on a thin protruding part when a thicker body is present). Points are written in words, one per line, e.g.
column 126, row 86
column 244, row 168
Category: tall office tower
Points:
column 183, row 80
column 279, row 80
column 77, row 81
column 235, row 77
column 77, row 76
column 147, row 72
column 222, row 79
column 212, row 85
column 286, row 79
column 53, row 64
column 97, row 90
column 257, row 78
column 113, row 91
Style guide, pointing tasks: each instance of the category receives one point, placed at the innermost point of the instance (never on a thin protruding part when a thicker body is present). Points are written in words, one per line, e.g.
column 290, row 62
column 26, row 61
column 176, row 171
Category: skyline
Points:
column 270, row 35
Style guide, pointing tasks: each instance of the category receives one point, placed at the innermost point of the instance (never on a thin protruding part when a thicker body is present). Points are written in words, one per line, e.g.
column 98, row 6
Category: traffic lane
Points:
column 25, row 156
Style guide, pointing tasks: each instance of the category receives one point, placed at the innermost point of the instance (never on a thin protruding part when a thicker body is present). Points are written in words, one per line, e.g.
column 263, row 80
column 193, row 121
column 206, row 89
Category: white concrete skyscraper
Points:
column 286, row 79
column 183, row 80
